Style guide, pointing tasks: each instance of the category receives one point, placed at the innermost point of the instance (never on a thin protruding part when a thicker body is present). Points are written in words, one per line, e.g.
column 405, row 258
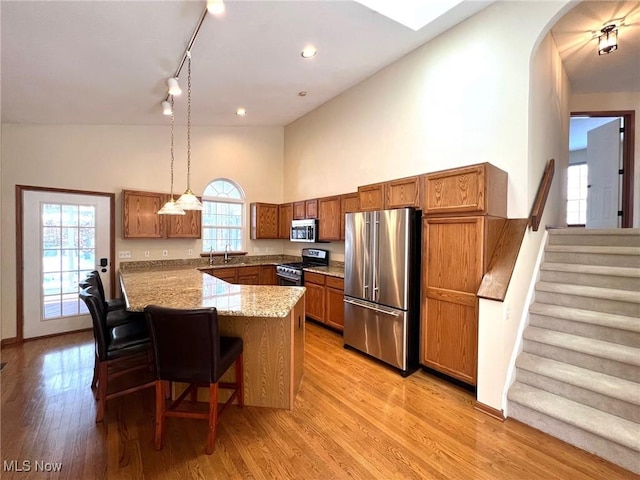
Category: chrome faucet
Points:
column 211, row 256
column 226, row 254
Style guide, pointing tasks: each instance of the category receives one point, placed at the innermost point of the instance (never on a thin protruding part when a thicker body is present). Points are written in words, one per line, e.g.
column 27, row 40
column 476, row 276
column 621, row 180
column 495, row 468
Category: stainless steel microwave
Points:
column 304, row 230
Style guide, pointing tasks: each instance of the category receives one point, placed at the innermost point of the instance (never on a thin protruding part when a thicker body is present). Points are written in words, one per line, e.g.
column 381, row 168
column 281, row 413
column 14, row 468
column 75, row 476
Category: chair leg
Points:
column 102, row 390
column 194, row 393
column 94, row 381
column 213, row 417
column 159, row 420
column 240, row 381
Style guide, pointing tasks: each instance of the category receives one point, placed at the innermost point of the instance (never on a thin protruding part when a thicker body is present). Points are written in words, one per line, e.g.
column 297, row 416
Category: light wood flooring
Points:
column 353, row 418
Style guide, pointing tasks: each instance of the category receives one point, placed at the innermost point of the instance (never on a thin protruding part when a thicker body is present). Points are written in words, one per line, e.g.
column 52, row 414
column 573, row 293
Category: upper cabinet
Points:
column 264, row 221
column 349, row 203
column 140, row 218
column 371, row 197
column 400, row 193
column 305, row 209
column 285, row 215
column 476, row 189
column 404, row 192
column 329, row 218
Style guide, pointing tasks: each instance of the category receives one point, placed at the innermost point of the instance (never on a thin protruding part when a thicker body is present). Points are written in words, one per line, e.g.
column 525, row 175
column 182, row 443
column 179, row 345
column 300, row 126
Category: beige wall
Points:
column 462, row 98
column 111, row 158
column 594, row 102
column 500, row 323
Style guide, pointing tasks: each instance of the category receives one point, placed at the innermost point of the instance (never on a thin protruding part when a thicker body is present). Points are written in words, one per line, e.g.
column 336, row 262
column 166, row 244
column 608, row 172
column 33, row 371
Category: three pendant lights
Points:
column 188, row 200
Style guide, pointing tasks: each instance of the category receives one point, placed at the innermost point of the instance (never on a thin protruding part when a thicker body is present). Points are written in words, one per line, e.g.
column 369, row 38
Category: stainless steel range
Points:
column 292, row 274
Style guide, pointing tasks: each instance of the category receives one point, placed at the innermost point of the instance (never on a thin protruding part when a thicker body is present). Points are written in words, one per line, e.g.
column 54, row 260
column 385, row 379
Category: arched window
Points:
column 222, row 216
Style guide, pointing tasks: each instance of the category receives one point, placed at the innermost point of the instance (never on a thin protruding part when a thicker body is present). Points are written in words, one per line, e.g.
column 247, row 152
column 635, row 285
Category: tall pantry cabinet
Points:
column 464, row 211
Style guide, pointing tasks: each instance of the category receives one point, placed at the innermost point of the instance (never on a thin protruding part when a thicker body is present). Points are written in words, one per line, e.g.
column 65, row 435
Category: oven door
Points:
column 288, row 281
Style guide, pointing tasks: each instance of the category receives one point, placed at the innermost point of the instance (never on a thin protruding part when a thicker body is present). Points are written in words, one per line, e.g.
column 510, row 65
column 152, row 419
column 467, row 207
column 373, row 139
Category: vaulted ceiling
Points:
column 106, row 62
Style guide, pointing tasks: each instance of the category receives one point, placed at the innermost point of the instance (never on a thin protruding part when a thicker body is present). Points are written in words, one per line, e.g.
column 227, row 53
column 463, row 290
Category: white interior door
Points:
column 65, row 236
column 603, row 163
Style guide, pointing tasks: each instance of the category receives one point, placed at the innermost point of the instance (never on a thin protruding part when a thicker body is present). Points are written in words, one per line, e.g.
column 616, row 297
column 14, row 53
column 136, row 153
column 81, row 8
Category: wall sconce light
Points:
column 608, row 40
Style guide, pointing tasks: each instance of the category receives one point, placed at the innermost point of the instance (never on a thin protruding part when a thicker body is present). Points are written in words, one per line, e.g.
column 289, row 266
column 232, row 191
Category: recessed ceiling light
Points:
column 302, row 94
column 241, row 112
column 309, row 51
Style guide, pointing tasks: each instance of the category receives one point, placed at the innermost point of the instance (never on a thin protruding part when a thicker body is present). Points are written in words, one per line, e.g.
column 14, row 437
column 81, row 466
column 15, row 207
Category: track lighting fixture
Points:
column 174, row 86
column 215, row 7
column 166, row 108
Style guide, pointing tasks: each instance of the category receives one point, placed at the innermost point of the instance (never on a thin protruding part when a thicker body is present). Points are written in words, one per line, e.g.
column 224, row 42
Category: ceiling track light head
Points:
column 174, row 86
column 166, row 108
column 215, row 7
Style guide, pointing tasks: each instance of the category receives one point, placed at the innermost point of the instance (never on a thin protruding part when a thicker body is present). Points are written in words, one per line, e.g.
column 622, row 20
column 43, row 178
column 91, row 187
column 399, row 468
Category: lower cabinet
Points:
column 249, row 275
column 314, row 297
column 246, row 275
column 324, row 299
column 334, row 302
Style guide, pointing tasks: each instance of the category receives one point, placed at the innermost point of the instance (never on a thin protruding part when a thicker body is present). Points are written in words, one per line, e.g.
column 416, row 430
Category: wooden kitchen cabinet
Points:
column 403, row 192
column 248, row 275
column 188, row 225
column 314, row 296
column 268, row 275
column 140, row 217
column 305, row 209
column 334, row 302
column 285, row 215
column 476, row 189
column 228, row 274
column 371, row 197
column 264, row 221
column 349, row 203
column 455, row 252
column 299, row 210
column 329, row 218
column 311, row 208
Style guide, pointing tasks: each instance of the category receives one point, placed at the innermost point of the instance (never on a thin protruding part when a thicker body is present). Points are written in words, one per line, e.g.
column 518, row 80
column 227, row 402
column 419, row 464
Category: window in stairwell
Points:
column 222, row 216
column 577, row 194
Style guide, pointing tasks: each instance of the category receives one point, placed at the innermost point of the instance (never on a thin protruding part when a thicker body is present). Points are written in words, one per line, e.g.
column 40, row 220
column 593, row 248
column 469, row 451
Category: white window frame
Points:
column 222, row 199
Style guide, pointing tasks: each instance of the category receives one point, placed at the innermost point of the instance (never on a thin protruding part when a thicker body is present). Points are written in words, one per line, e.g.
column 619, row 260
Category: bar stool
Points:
column 188, row 348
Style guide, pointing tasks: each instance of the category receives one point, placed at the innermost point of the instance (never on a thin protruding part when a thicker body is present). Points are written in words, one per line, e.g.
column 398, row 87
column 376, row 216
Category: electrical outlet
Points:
column 124, row 254
column 165, row 253
column 190, row 252
column 146, row 253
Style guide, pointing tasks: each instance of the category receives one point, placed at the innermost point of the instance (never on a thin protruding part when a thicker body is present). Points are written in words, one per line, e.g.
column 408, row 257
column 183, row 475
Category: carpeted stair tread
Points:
column 593, row 249
column 592, row 269
column 594, row 231
column 589, row 346
column 610, row 320
column 587, row 291
column 608, row 385
column 597, row 422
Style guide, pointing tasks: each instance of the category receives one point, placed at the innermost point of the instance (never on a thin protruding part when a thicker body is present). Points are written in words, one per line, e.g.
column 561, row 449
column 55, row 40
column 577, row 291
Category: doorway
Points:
column 61, row 236
column 601, row 168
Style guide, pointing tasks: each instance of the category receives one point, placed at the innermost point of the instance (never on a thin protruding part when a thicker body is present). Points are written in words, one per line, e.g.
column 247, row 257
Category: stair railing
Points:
column 541, row 196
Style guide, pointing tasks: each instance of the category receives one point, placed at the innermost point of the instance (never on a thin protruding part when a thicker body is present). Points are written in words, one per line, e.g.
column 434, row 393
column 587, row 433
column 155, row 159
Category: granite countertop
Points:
column 331, row 270
column 188, row 287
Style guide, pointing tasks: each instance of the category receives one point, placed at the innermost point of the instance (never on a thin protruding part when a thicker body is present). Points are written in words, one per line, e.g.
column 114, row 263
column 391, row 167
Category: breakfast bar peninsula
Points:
column 269, row 319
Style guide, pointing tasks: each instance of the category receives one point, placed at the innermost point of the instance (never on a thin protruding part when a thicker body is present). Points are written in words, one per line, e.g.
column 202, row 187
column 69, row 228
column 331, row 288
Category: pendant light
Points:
column 188, row 201
column 171, row 207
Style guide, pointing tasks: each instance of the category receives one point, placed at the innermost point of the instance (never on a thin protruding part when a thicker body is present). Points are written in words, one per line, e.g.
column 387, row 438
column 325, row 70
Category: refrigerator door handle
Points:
column 379, row 309
column 375, row 280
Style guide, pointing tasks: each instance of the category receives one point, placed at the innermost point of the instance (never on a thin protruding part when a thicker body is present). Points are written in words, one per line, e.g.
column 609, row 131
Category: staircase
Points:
column 578, row 377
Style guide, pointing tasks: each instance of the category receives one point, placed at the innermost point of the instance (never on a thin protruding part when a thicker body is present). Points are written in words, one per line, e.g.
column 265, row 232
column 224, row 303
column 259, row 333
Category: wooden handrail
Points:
column 541, row 196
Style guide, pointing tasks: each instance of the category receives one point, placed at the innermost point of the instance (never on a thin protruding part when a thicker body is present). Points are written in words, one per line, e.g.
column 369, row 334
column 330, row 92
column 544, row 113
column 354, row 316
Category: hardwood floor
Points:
column 353, row 418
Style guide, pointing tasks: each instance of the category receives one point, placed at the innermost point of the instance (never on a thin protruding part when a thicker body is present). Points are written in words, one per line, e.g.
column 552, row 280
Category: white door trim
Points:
column 20, row 189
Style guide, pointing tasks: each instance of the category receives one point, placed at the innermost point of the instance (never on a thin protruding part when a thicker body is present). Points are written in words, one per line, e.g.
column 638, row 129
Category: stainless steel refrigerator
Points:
column 382, row 285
